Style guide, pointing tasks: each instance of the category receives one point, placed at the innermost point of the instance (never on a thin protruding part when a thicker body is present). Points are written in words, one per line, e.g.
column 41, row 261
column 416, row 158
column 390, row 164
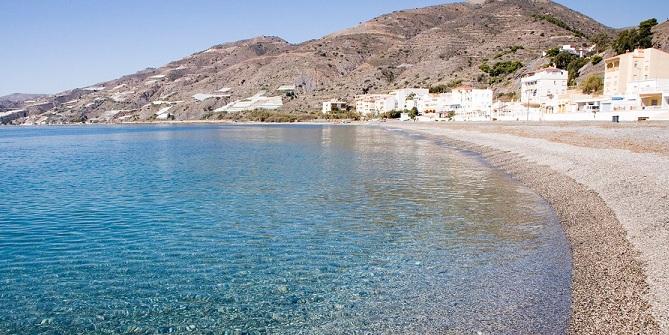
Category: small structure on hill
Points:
column 164, row 114
column 258, row 101
column 287, row 90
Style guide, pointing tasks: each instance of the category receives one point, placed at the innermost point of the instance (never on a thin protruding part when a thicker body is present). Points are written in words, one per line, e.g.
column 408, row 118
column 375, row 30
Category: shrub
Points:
column 413, row 113
column 593, row 85
column 574, row 68
column 563, row 59
column 512, row 50
column 596, row 59
column 553, row 52
column 602, row 40
column 570, row 62
column 445, row 88
column 504, row 68
column 392, row 115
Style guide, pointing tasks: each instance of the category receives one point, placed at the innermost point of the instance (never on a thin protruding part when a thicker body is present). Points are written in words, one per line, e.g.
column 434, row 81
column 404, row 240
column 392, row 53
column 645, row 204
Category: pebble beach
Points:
column 609, row 185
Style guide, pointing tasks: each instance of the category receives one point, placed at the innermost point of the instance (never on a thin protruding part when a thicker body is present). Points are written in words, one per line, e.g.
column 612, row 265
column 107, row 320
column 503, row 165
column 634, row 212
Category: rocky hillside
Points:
column 661, row 36
column 421, row 47
column 16, row 100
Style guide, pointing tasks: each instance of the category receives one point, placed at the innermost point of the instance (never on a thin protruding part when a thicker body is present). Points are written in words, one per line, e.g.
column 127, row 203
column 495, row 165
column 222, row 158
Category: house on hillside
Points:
column 258, row 101
column 578, row 51
column 164, row 114
column 287, row 90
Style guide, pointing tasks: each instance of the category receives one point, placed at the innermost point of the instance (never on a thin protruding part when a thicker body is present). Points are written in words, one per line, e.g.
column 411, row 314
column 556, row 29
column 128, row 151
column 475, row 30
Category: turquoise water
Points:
column 269, row 229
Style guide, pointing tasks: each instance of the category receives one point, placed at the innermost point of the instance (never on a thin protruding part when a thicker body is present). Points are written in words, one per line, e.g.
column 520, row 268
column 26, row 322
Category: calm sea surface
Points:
column 269, row 229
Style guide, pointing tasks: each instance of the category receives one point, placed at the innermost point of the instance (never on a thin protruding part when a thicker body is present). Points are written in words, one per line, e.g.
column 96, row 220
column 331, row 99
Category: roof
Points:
column 205, row 96
column 94, row 88
column 548, row 69
column 637, row 52
column 286, row 88
column 163, row 111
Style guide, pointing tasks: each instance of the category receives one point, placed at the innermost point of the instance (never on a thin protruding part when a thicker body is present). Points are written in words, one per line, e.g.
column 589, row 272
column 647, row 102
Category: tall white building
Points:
column 542, row 88
column 374, row 104
column 407, row 98
column 638, row 65
column 471, row 104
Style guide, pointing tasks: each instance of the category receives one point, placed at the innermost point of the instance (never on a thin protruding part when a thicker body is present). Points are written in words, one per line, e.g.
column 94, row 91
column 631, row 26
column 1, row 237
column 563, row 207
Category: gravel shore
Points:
column 609, row 185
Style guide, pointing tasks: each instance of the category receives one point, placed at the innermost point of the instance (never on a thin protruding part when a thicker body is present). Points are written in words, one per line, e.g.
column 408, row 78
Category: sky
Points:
column 55, row 45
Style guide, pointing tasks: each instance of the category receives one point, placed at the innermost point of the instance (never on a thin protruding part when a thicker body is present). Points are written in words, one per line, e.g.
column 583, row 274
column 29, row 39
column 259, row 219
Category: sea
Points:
column 270, row 229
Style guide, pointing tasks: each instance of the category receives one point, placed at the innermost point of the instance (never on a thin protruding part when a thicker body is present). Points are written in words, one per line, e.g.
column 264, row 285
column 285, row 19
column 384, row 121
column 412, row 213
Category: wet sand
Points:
column 609, row 184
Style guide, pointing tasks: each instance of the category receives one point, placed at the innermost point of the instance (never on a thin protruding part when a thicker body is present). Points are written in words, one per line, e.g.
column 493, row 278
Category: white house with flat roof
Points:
column 258, row 101
column 407, row 98
column 334, row 105
column 542, row 88
column 649, row 94
column 471, row 104
column 287, row 90
column 374, row 104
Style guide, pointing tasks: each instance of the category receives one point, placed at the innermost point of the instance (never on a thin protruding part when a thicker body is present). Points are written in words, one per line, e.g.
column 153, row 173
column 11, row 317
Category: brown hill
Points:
column 661, row 36
column 419, row 47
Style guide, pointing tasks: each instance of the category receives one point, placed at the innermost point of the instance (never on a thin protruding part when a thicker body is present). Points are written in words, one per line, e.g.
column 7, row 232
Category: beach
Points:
column 609, row 185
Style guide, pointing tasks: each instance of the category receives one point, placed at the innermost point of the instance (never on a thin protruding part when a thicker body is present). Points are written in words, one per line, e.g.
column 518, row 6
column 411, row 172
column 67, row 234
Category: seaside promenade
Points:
column 609, row 184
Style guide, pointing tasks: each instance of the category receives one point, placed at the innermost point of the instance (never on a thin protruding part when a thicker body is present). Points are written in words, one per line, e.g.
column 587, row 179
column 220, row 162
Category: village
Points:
column 635, row 88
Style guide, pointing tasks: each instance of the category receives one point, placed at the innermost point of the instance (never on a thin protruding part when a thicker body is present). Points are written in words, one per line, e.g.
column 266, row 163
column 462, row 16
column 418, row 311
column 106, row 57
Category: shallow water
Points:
column 269, row 229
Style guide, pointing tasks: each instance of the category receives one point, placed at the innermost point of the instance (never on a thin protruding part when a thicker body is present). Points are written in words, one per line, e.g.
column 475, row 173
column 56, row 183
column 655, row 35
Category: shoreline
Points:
column 613, row 290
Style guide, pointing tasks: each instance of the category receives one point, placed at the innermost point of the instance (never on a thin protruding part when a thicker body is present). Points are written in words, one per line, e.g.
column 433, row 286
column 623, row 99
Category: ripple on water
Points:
column 277, row 229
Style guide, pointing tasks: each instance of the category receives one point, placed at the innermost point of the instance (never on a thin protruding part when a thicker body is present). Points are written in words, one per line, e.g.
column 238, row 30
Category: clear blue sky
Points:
column 47, row 46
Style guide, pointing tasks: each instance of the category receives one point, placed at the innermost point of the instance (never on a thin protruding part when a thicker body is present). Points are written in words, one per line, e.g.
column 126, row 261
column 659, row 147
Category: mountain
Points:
column 661, row 36
column 418, row 47
column 16, row 100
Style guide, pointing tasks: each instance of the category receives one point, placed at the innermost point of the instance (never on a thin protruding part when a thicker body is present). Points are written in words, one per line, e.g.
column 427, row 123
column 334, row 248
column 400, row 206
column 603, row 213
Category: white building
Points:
column 288, row 90
column 578, row 51
column 639, row 65
column 258, row 101
column 334, row 105
column 471, row 104
column 649, row 94
column 407, row 98
column 439, row 103
column 164, row 114
column 374, row 104
column 206, row 96
column 543, row 88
